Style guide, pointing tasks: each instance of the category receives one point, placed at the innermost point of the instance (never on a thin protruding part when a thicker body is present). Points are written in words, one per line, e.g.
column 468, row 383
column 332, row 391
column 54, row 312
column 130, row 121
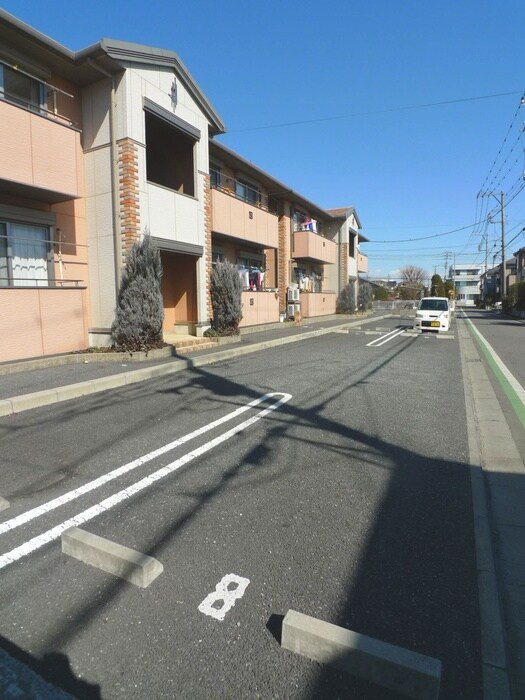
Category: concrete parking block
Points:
column 4, row 504
column 407, row 672
column 135, row 567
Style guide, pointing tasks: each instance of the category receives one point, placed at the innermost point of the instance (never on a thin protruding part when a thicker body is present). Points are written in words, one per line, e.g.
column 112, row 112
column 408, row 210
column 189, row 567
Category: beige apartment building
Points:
column 43, row 235
column 101, row 145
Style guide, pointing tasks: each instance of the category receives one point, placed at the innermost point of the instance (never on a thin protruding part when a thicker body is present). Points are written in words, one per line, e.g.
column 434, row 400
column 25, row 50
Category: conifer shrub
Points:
column 226, row 288
column 364, row 296
column 140, row 313
column 345, row 303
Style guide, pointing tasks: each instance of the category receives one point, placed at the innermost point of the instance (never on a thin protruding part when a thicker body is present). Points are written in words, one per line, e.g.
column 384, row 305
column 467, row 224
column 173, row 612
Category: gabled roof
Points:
column 344, row 213
column 83, row 67
column 124, row 52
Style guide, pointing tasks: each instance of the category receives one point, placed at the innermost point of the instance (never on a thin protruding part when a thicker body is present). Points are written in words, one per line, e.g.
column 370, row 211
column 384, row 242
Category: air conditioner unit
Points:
column 293, row 294
column 291, row 310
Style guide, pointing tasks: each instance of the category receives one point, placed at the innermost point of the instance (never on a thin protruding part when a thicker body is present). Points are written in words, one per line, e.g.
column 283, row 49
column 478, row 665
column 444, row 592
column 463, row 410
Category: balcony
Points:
column 362, row 263
column 259, row 308
column 317, row 303
column 40, row 157
column 308, row 245
column 37, row 322
column 252, row 222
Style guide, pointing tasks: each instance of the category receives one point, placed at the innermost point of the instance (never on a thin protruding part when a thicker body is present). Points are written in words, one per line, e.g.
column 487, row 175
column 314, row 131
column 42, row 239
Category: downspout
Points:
column 114, row 178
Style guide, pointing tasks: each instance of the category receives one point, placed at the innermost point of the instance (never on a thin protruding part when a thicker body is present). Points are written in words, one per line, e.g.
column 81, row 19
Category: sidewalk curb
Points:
column 495, row 663
column 46, row 397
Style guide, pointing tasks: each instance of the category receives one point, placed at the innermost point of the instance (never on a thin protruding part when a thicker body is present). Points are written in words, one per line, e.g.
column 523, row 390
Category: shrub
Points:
column 138, row 321
column 346, row 300
column 520, row 296
column 364, row 296
column 226, row 288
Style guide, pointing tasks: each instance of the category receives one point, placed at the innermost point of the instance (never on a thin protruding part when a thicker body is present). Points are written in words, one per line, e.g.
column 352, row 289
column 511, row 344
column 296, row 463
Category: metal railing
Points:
column 40, row 283
column 239, row 189
column 301, row 222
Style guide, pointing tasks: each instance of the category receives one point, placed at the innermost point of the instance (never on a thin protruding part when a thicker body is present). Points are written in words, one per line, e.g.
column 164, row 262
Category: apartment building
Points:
column 146, row 131
column 345, row 231
column 43, row 234
column 277, row 238
column 101, row 145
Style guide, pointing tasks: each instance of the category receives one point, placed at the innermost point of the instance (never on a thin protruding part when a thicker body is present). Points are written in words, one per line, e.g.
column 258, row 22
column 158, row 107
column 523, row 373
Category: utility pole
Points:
column 447, row 255
column 503, row 275
column 501, row 202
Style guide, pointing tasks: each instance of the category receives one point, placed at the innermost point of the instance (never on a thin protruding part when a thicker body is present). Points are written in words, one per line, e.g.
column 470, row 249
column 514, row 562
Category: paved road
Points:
column 350, row 502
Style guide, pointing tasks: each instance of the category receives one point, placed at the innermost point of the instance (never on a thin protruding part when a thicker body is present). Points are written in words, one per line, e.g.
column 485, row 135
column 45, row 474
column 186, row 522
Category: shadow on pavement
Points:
column 417, row 565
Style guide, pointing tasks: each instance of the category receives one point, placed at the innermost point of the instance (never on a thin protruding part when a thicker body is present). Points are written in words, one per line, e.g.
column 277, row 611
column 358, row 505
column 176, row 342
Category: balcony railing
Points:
column 22, row 89
column 301, row 222
column 239, row 189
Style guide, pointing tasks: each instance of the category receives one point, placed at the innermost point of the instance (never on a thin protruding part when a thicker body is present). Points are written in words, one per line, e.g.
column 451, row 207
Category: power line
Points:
column 520, row 104
column 373, row 112
column 425, row 238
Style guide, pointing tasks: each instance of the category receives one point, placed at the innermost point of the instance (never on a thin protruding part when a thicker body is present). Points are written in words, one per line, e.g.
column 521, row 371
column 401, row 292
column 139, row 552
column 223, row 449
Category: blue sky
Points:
column 354, row 104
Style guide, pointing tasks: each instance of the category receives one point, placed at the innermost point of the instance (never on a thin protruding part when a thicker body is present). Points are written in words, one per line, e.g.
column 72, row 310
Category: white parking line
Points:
column 139, row 462
column 386, row 338
column 108, row 503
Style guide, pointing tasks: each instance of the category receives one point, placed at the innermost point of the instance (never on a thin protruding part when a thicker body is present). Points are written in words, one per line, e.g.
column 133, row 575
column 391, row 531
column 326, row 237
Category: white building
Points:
column 466, row 278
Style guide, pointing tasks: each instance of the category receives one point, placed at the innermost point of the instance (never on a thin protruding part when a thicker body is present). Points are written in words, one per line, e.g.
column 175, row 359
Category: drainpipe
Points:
column 114, row 177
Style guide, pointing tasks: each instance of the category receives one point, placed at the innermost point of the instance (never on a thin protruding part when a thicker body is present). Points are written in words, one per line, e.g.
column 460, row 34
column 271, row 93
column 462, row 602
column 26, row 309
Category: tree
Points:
column 409, row 292
column 437, row 287
column 412, row 274
column 226, row 288
column 346, row 300
column 381, row 294
column 140, row 313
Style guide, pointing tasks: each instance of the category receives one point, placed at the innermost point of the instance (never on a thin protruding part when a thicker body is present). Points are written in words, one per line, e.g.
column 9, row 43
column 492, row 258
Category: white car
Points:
column 433, row 314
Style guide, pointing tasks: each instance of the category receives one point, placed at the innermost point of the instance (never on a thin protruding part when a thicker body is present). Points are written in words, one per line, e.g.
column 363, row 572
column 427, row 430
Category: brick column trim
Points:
column 284, row 254
column 343, row 266
column 129, row 202
column 208, row 243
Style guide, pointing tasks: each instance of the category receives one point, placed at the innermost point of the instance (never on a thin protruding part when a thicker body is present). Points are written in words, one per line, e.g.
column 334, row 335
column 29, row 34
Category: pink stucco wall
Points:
column 247, row 222
column 42, row 322
column 259, row 308
column 38, row 151
column 312, row 246
column 317, row 303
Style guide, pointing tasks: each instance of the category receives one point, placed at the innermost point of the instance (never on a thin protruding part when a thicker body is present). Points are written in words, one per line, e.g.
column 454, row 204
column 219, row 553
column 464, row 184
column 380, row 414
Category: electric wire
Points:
column 372, row 112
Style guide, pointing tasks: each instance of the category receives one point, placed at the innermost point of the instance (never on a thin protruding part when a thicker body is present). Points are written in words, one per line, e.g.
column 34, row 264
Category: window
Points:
column 215, row 177
column 19, row 88
column 351, row 243
column 433, row 305
column 247, row 192
column 169, row 156
column 24, row 255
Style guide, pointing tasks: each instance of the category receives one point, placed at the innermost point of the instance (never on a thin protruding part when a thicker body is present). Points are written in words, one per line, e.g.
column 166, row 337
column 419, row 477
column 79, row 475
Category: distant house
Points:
column 466, row 278
column 490, row 281
column 519, row 255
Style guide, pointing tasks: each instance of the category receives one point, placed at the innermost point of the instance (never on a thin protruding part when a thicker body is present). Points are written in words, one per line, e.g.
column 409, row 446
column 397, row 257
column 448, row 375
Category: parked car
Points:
column 433, row 314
